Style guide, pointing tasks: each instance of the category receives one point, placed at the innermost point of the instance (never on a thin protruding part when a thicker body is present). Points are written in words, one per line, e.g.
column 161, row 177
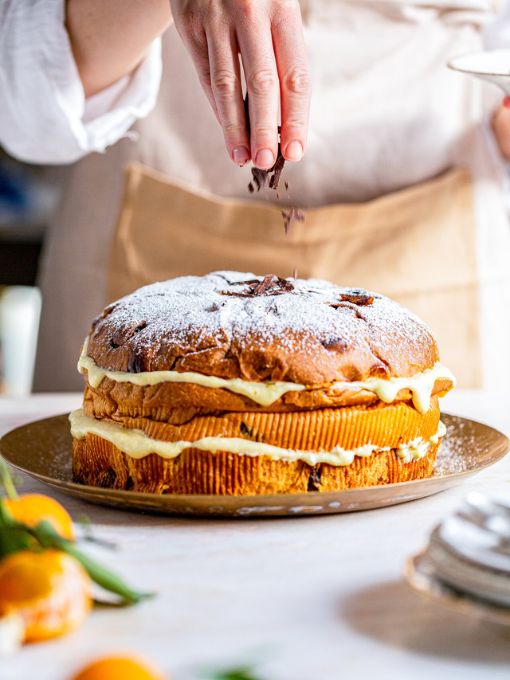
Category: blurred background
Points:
column 28, row 196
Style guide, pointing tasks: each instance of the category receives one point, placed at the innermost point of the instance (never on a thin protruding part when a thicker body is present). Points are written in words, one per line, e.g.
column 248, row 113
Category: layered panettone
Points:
column 237, row 384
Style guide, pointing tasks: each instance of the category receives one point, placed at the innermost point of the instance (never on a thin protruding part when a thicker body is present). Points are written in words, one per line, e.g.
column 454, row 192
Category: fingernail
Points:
column 294, row 151
column 506, row 102
column 264, row 159
column 240, row 155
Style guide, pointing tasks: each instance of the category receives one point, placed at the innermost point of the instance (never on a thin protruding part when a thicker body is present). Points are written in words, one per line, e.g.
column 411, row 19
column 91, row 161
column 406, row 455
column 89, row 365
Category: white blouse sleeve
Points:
column 44, row 116
column 496, row 34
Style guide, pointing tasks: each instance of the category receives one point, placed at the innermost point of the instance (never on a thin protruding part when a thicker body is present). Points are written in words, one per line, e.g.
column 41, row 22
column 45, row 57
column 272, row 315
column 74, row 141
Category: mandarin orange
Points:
column 118, row 668
column 33, row 508
column 50, row 590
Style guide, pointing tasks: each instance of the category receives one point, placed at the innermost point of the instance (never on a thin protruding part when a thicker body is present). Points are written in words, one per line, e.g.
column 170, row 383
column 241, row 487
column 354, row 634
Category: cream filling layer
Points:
column 137, row 444
column 266, row 393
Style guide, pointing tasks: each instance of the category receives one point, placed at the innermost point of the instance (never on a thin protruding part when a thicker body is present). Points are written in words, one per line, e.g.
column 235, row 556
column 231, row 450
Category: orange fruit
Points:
column 118, row 668
column 50, row 590
column 33, row 508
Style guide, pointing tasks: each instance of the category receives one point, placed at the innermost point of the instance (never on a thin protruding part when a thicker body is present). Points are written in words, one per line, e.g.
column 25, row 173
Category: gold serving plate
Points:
column 42, row 449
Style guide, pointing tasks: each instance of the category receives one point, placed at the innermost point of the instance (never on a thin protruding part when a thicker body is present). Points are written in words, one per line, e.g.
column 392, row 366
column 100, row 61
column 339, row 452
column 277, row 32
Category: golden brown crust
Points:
column 319, row 430
column 98, row 463
column 113, row 399
column 228, row 325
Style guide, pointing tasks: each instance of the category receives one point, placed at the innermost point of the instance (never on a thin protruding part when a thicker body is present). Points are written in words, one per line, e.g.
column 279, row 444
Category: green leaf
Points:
column 13, row 538
column 16, row 536
column 6, row 480
column 47, row 537
column 236, row 673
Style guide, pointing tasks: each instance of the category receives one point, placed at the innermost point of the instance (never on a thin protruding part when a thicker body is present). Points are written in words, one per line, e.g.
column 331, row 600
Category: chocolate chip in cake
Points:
column 314, row 480
column 108, row 479
column 245, row 430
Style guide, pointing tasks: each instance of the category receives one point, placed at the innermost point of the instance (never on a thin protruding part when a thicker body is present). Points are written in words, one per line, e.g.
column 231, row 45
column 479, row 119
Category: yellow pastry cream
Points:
column 137, row 444
column 266, row 393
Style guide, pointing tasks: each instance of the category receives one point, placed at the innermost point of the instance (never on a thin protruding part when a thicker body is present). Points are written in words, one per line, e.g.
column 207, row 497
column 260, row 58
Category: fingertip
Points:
column 506, row 102
column 240, row 155
column 264, row 159
column 293, row 151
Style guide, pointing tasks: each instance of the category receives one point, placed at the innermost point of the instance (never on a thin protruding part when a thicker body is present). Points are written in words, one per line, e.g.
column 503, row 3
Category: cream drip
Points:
column 420, row 385
column 263, row 393
column 137, row 444
column 418, row 448
column 266, row 393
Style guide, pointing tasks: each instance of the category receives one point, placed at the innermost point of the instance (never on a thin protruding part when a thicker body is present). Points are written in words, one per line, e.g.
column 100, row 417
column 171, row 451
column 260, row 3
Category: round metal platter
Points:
column 42, row 449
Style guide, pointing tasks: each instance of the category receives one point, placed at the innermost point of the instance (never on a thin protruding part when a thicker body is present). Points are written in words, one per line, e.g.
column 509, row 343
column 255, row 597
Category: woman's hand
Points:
column 501, row 127
column 268, row 35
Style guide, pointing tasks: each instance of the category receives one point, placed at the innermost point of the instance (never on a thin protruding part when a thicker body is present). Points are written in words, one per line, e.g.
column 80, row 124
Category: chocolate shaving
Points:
column 270, row 285
column 267, row 178
column 276, row 171
column 356, row 297
column 291, row 215
column 271, row 178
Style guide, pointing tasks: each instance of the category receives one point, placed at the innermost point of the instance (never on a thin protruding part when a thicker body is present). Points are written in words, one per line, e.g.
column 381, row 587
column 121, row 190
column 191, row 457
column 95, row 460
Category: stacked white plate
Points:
column 470, row 551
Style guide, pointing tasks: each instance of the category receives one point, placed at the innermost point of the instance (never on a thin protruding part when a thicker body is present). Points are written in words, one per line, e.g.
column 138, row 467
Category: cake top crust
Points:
column 235, row 325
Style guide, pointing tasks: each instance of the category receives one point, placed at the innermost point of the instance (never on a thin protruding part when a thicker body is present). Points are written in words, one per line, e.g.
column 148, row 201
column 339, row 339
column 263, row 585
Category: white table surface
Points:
column 315, row 598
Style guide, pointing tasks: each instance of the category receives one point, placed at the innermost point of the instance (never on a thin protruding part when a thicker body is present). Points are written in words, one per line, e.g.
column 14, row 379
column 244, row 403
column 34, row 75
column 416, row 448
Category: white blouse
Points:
column 44, row 116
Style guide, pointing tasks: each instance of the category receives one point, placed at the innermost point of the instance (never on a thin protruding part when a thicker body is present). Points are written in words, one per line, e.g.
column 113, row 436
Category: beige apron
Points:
column 387, row 118
column 400, row 245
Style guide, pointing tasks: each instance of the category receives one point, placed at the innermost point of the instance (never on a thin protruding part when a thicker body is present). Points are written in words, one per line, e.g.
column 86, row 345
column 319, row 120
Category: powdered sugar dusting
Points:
column 189, row 318
column 459, row 450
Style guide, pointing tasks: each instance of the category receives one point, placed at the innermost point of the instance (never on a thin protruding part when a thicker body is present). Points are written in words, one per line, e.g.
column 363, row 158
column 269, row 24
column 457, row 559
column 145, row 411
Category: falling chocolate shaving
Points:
column 267, row 178
column 270, row 285
column 271, row 178
column 291, row 215
column 276, row 171
column 260, row 179
column 263, row 178
column 295, row 273
column 355, row 297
